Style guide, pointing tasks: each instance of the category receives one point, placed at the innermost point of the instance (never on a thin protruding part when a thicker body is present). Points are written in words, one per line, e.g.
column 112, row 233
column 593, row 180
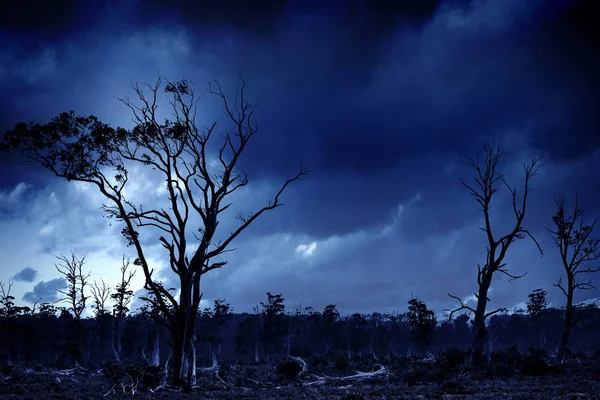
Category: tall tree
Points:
column 488, row 180
column 81, row 148
column 579, row 250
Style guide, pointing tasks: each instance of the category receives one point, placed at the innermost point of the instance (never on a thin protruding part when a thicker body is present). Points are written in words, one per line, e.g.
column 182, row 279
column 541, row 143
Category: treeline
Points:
column 47, row 335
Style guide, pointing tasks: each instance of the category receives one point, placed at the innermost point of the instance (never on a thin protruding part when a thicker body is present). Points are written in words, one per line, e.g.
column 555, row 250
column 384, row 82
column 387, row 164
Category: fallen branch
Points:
column 382, row 372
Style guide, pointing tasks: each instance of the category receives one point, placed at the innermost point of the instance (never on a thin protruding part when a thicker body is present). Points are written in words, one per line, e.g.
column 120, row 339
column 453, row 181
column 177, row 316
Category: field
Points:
column 509, row 375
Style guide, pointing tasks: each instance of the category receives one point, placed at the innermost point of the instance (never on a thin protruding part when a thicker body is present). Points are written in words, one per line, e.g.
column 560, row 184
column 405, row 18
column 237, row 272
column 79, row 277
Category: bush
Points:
column 288, row 370
column 453, row 358
column 535, row 366
column 511, row 358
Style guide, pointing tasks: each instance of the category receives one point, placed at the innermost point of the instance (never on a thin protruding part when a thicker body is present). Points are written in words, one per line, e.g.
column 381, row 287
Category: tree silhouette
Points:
column 81, row 148
column 273, row 314
column 536, row 306
column 422, row 323
column 487, row 179
column 121, row 297
column 578, row 248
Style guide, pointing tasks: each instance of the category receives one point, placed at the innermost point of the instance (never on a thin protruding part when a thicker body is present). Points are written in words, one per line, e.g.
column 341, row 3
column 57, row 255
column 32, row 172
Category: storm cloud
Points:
column 380, row 103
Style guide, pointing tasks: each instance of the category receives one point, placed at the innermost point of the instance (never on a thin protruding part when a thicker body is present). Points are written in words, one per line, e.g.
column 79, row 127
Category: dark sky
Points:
column 379, row 101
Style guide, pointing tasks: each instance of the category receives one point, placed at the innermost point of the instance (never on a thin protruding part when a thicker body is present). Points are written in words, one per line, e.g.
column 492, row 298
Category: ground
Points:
column 439, row 378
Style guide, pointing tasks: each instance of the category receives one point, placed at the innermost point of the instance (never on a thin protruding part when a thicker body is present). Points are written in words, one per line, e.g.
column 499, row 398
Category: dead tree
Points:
column 74, row 295
column 122, row 298
column 81, row 148
column 100, row 295
column 579, row 253
column 488, row 180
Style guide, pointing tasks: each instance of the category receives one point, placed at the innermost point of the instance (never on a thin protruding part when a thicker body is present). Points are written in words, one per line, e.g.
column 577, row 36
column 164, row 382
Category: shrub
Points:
column 535, row 366
column 288, row 370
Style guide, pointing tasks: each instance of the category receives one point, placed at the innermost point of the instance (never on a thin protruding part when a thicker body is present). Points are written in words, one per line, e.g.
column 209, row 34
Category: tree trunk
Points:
column 155, row 355
column 564, row 340
column 118, row 323
column 480, row 333
column 184, row 350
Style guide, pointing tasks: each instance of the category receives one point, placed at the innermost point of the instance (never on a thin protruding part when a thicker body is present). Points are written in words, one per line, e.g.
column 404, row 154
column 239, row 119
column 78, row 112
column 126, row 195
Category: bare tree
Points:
column 81, row 148
column 100, row 295
column 579, row 253
column 122, row 298
column 487, row 181
column 74, row 295
column 72, row 271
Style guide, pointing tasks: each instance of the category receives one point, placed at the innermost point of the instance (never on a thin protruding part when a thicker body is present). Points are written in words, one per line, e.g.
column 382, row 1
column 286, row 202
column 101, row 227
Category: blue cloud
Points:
column 45, row 292
column 27, row 274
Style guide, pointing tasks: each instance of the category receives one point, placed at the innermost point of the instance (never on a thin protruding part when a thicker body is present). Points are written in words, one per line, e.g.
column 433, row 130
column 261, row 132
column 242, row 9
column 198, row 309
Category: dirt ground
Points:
column 401, row 379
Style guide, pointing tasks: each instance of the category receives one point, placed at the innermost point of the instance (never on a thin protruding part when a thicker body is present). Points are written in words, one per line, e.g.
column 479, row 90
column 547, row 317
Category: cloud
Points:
column 45, row 292
column 379, row 103
column 27, row 274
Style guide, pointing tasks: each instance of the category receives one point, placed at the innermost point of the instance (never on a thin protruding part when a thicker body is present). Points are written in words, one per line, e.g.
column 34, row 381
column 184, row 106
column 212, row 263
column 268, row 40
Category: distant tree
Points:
column 536, row 306
column 462, row 330
column 487, row 181
column 100, row 295
column 76, row 298
column 329, row 329
column 273, row 313
column 122, row 298
column 81, row 148
column 75, row 293
column 422, row 323
column 579, row 251
column 248, row 335
column 155, row 314
column 9, row 312
column 357, row 333
column 294, row 322
column 8, row 309
column 213, row 331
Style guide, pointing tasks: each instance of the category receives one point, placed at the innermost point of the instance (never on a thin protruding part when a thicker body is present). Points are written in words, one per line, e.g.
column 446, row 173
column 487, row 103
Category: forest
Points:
column 173, row 345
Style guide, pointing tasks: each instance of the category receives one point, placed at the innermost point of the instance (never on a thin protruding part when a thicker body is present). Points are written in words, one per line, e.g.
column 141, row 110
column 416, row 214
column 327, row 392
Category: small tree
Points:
column 422, row 323
column 487, row 181
column 100, row 295
column 329, row 322
column 8, row 319
column 217, row 317
column 72, row 271
column 122, row 298
column 579, row 251
column 75, row 296
column 273, row 328
column 536, row 306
